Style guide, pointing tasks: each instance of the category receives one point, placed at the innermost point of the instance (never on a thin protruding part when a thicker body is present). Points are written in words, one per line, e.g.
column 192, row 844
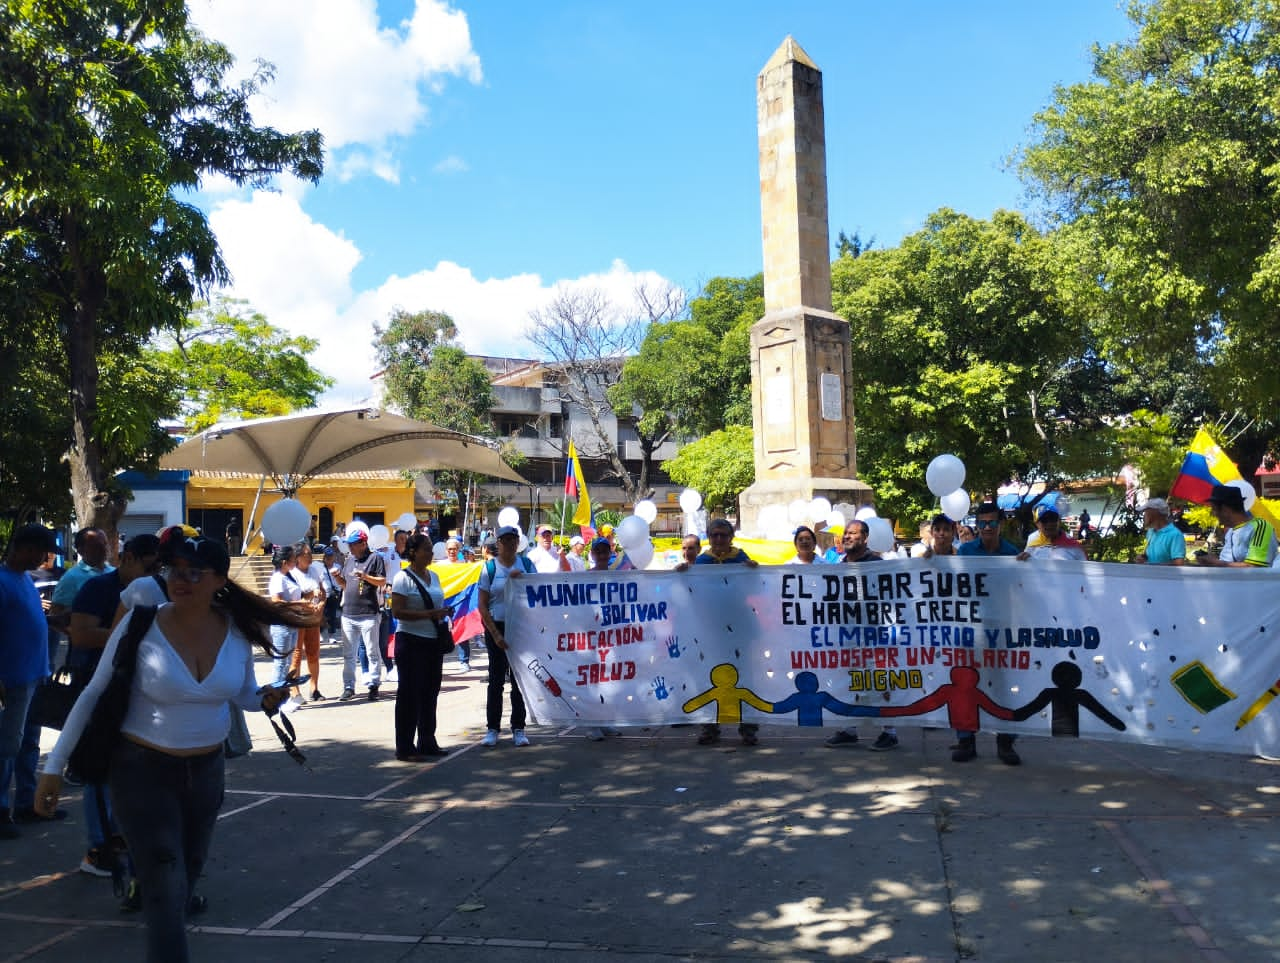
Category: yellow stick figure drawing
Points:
column 727, row 695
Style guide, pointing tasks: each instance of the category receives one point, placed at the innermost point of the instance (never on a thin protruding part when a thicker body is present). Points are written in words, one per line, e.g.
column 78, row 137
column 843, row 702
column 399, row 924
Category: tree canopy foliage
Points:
column 960, row 345
column 232, row 363
column 428, row 375
column 720, row 466
column 111, row 112
column 1163, row 175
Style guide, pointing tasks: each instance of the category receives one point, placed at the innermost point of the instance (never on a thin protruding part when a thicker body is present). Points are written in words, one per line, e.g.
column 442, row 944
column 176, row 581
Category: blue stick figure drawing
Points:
column 807, row 703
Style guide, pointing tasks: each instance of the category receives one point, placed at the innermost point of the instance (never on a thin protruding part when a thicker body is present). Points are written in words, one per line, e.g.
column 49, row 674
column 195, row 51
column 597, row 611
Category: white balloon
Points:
column 358, row 526
column 631, row 531
column 944, row 474
column 690, row 500
column 798, row 511
column 647, row 510
column 880, row 538
column 407, row 522
column 835, row 519
column 379, row 537
column 343, row 547
column 286, row 522
column 819, row 508
column 509, row 516
column 523, row 543
column 1247, row 490
column 439, row 552
column 865, row 512
column 641, row 555
column 955, row 505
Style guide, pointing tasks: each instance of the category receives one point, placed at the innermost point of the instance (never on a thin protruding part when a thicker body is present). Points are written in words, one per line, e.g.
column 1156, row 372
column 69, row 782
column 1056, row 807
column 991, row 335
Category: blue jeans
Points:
column 167, row 807
column 86, row 660
column 283, row 639
column 360, row 631
column 17, row 754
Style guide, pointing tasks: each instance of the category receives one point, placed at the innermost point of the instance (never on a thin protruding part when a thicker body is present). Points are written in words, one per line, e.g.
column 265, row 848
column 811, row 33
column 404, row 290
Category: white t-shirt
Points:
column 496, row 584
column 544, row 560
column 143, row 591
column 405, row 584
column 283, row 586
column 576, row 563
column 167, row 706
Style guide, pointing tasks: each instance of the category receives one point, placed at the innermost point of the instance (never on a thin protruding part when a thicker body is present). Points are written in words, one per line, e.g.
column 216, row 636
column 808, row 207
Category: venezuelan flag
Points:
column 461, row 584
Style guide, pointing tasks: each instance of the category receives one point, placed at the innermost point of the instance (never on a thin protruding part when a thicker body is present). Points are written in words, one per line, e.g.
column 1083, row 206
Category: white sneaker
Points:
column 490, row 738
column 519, row 738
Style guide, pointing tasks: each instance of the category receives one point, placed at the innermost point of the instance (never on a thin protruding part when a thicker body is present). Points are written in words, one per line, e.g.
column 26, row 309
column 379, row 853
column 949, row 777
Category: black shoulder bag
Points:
column 91, row 757
column 444, row 630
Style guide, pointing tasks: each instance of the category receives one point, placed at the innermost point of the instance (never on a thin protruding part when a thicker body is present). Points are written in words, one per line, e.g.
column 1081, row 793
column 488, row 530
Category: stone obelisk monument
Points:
column 801, row 366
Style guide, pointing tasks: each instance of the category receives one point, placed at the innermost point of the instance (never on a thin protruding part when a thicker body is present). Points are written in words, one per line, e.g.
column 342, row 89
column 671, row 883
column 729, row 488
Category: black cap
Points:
column 1227, row 497
column 35, row 535
column 202, row 553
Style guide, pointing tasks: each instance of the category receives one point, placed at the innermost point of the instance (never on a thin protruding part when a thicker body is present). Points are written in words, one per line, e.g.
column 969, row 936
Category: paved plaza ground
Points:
column 650, row 848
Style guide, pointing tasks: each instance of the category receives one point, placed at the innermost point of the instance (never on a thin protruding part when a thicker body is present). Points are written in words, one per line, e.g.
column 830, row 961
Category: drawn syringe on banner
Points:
column 1259, row 704
column 547, row 679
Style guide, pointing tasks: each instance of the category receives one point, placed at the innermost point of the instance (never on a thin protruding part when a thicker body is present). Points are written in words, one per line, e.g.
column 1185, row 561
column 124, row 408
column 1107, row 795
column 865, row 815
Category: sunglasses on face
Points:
column 991, row 524
column 192, row 576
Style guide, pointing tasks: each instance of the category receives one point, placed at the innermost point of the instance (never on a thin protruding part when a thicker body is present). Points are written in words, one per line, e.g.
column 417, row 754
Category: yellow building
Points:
column 215, row 500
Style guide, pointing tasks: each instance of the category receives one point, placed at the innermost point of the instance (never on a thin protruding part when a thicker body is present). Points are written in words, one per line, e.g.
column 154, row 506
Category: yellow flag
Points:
column 576, row 486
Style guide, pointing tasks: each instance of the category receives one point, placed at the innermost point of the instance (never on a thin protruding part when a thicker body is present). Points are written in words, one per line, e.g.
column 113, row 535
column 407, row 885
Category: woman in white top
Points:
column 166, row 774
column 806, row 543
column 417, row 602
column 310, row 576
column 283, row 587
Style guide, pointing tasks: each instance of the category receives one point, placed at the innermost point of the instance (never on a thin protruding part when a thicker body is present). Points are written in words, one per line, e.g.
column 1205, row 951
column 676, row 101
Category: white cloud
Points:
column 453, row 164
column 337, row 68
column 298, row 273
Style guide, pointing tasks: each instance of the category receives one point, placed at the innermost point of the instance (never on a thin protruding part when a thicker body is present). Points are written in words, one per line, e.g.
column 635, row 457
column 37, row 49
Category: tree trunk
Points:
column 94, row 505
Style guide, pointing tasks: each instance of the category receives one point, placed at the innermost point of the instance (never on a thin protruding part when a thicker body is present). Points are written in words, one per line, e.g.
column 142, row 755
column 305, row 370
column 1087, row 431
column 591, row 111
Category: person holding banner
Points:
column 989, row 541
column 1249, row 543
column 493, row 612
column 854, row 542
column 722, row 551
column 806, row 543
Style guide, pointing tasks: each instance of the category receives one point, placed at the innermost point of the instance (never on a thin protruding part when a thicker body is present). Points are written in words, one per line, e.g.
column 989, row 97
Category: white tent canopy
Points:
column 293, row 449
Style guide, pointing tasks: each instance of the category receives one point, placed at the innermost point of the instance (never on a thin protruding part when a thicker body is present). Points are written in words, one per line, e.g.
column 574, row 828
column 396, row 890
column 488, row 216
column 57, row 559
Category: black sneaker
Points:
column 1005, row 751
column 885, row 742
column 845, row 737
column 373, row 693
column 347, row 695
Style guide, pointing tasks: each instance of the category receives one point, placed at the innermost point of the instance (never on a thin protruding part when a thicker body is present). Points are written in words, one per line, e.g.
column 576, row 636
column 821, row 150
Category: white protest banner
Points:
column 1171, row 656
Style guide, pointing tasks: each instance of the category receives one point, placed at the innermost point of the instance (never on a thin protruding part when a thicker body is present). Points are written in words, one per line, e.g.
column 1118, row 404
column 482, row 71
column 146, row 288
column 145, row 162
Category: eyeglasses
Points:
column 190, row 575
column 991, row 524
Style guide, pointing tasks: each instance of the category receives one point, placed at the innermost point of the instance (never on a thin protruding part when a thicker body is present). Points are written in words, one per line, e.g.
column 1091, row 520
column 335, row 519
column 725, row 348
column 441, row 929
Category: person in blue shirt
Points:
column 989, row 541
column 1165, row 543
column 24, row 648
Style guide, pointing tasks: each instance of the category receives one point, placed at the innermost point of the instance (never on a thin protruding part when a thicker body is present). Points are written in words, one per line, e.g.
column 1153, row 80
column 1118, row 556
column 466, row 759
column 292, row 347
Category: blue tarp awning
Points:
column 1012, row 501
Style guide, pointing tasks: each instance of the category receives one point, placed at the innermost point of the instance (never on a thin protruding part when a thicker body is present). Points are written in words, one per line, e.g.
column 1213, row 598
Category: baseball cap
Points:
column 203, row 553
column 1155, row 505
column 576, row 540
column 1047, row 511
column 544, row 528
column 506, row 530
column 357, row 536
column 601, row 542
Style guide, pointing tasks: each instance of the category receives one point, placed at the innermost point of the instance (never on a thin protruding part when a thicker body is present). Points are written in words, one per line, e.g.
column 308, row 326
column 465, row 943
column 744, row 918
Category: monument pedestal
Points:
column 804, row 434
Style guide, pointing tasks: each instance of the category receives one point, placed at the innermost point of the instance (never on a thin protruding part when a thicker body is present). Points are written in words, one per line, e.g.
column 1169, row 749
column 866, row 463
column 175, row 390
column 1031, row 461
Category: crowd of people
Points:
column 386, row 610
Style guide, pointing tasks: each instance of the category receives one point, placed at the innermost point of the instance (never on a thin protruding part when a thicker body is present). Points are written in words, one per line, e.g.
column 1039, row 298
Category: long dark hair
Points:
column 282, row 554
column 416, row 543
column 252, row 613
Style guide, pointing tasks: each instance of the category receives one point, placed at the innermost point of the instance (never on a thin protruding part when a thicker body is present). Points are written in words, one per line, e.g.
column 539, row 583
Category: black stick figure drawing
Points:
column 1067, row 699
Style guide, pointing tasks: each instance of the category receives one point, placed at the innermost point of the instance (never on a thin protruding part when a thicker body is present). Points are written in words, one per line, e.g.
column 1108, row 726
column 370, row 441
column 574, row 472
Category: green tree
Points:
column 112, row 111
column 428, row 375
column 720, row 466
column 692, row 375
column 959, row 345
column 1162, row 171
column 232, row 363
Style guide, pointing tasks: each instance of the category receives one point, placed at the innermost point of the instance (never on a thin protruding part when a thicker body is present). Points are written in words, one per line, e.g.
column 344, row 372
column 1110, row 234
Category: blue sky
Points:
column 483, row 153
